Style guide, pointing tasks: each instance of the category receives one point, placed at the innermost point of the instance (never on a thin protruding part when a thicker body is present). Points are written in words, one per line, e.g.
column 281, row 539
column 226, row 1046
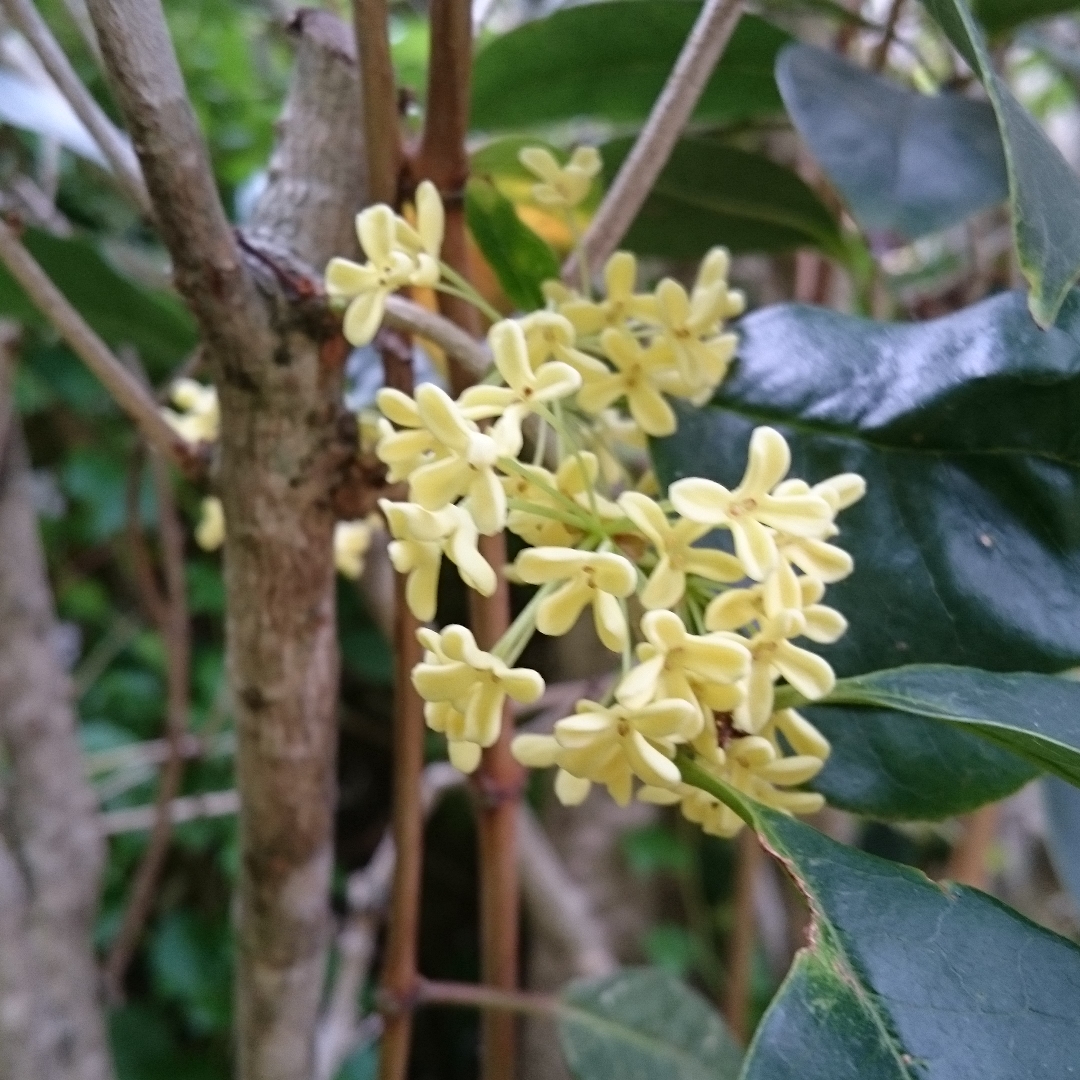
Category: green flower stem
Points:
column 512, row 644
column 467, row 292
column 544, row 511
column 581, row 520
column 694, row 775
column 579, row 251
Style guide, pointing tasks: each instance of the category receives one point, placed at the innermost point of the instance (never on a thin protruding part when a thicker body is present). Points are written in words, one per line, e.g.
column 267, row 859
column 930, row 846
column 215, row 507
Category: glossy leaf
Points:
column 998, row 16
column 712, row 194
column 159, row 327
column 520, row 259
column 904, row 162
column 609, row 61
column 904, row 978
column 1043, row 189
column 967, row 544
column 1036, row 717
column 643, row 1025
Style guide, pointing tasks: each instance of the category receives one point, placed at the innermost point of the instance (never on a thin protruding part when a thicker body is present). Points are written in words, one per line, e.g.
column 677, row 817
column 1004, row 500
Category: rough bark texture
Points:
column 278, row 373
column 51, row 865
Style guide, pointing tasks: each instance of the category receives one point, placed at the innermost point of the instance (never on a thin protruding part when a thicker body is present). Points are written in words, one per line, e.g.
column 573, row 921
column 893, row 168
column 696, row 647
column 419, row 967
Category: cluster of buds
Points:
column 543, row 448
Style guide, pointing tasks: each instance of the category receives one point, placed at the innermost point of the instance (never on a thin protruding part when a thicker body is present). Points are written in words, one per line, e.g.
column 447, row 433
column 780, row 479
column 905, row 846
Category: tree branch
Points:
column 113, row 144
column 125, row 388
column 409, row 317
column 176, row 632
column 658, row 137
column 186, row 808
column 378, row 100
column 50, row 814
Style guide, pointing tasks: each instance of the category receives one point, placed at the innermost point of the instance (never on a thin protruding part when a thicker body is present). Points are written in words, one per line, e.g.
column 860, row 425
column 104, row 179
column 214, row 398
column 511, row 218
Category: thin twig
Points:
column 410, row 317
column 127, row 391
column 114, row 145
column 881, row 53
column 176, row 631
column 399, row 972
column 484, row 997
column 187, row 808
column 743, row 932
column 152, row 752
column 650, row 153
column 382, row 132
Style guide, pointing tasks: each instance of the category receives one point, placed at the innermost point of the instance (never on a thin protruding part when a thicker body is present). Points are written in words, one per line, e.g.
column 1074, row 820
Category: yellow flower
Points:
column 622, row 304
column 424, row 242
column 200, row 418
column 677, row 664
column 815, row 556
column 210, row 532
column 596, row 578
column 404, row 450
column 639, row 372
column 550, row 336
column 620, row 445
column 750, row 512
column 351, row 542
column 525, row 388
column 673, row 543
column 713, row 271
column 469, row 465
column 687, row 328
column 421, row 538
column 459, row 680
column 562, row 186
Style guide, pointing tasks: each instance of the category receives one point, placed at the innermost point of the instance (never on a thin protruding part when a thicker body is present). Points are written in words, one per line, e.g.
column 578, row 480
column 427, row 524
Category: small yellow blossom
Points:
column 677, row 556
column 622, row 304
column 589, row 577
column 469, row 465
column 563, row 186
column 210, row 532
column 200, row 417
column 352, row 539
column 813, row 555
column 620, row 445
column 751, row 511
column 398, row 255
column 713, row 271
column 421, row 538
column 677, row 664
column 525, row 388
column 459, row 680
column 550, row 336
column 639, row 374
column 687, row 329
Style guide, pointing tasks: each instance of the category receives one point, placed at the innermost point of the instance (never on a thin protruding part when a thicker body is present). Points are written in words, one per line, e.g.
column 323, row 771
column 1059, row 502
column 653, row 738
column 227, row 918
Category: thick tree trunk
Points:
column 278, row 373
column 50, row 866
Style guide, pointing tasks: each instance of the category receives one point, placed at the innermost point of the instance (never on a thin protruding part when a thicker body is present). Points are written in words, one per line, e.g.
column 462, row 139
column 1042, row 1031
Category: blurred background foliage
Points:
column 558, row 76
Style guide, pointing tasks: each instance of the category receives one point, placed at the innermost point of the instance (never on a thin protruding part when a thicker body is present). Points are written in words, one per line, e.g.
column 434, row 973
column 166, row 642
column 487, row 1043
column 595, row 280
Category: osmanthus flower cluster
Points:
column 704, row 628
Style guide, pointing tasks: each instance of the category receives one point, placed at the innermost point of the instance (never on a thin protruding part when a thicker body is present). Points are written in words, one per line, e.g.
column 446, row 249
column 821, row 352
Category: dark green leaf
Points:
column 1001, row 15
column 643, row 1025
column 905, row 162
column 908, row 768
column 610, row 61
column 712, row 194
column 1043, row 189
column 967, row 544
column 520, row 259
column 905, row 978
column 158, row 327
column 1036, row 717
column 1061, row 804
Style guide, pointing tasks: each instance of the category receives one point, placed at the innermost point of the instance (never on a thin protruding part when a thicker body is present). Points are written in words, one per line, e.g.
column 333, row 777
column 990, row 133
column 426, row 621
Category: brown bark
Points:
column 278, row 373
column 52, row 863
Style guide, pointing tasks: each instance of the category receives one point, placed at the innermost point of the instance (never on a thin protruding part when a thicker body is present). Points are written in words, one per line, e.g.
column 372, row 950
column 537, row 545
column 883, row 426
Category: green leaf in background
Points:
column 1043, row 189
column 643, row 1025
column 711, row 194
column 1036, row 717
column 609, row 61
column 904, row 978
column 998, row 16
column 158, row 327
column 967, row 544
column 520, row 259
column 903, row 161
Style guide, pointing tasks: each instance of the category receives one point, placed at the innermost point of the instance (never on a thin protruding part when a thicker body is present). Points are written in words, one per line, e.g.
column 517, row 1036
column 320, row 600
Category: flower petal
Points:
column 754, row 546
column 610, row 621
column 701, row 500
column 559, row 611
column 362, row 317
column 571, row 790
column 345, row 279
column 808, row 673
column 649, row 765
column 665, row 586
column 768, row 460
column 535, row 751
column 442, row 417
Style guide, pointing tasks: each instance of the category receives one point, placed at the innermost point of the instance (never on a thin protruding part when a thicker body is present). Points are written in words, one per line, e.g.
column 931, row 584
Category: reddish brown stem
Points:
column 741, row 950
column 172, row 615
column 382, row 133
column 399, row 977
column 498, row 782
column 881, row 53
